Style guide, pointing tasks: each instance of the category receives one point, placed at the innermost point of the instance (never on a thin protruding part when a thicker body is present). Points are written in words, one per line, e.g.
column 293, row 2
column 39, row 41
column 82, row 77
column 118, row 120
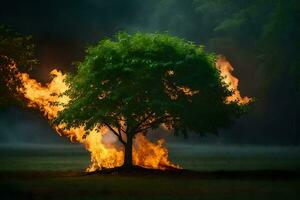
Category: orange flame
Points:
column 151, row 155
column 103, row 155
column 232, row 82
column 109, row 154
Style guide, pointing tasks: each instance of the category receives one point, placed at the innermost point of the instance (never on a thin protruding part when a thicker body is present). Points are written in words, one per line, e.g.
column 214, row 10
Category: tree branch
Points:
column 120, row 132
column 157, row 121
column 142, row 121
column 142, row 130
column 116, row 134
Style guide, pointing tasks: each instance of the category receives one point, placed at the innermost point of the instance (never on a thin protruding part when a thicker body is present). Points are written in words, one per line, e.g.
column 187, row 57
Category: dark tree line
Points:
column 260, row 38
column 15, row 50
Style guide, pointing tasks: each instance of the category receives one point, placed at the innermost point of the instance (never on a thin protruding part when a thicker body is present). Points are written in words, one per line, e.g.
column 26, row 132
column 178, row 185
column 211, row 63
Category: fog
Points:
column 239, row 30
column 23, row 127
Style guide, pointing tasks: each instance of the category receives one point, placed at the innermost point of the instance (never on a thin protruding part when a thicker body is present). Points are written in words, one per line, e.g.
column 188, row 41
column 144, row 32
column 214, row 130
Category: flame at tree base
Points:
column 147, row 154
column 103, row 154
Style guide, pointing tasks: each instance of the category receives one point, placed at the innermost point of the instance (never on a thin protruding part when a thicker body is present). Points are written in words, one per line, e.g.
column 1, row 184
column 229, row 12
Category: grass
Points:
column 56, row 173
column 219, row 157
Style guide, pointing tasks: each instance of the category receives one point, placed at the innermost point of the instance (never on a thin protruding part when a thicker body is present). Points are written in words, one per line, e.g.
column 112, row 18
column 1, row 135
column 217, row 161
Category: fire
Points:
column 103, row 155
column 43, row 97
column 232, row 82
column 151, row 155
column 109, row 154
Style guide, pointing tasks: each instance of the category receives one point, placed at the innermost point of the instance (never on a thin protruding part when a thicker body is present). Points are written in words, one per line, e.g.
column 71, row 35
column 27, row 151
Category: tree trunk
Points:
column 128, row 152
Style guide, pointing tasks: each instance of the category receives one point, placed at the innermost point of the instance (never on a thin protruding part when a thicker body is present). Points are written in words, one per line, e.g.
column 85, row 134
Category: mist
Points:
column 20, row 126
column 246, row 32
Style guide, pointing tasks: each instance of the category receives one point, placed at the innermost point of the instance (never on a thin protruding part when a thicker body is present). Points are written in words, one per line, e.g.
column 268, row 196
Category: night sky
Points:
column 62, row 29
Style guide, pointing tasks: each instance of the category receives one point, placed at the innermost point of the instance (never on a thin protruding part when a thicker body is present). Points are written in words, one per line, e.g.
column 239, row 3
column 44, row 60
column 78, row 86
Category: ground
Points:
column 213, row 172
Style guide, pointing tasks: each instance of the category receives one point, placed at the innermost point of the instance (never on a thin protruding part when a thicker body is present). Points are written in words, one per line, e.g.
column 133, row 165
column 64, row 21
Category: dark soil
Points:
column 173, row 172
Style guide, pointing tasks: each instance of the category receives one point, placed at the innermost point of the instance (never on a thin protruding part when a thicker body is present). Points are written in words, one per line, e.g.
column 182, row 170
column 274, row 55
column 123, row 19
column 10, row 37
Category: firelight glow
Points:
column 147, row 154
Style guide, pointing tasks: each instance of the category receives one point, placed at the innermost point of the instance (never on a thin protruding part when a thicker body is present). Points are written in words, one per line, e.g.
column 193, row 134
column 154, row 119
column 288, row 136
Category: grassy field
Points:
column 47, row 172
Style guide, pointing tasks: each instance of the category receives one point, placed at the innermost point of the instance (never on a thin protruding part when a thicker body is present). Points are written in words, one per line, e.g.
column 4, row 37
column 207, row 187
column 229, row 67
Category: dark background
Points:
column 260, row 38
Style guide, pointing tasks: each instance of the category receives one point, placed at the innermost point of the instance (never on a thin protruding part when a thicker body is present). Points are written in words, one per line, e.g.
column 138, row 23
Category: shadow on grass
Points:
column 137, row 171
column 140, row 183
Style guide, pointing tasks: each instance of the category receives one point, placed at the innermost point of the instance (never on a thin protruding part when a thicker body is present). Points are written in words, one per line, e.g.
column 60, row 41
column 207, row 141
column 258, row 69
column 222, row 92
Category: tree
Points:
column 138, row 82
column 15, row 50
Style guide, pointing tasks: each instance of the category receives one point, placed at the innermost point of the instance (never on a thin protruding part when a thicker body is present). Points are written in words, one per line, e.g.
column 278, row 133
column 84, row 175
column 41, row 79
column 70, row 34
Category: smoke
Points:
column 19, row 126
column 63, row 29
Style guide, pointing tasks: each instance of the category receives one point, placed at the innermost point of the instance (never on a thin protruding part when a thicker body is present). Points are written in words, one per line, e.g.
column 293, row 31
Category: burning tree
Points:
column 136, row 83
column 15, row 49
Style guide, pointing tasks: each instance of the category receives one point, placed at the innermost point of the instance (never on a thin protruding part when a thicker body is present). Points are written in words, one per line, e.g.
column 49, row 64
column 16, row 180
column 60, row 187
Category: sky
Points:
column 62, row 29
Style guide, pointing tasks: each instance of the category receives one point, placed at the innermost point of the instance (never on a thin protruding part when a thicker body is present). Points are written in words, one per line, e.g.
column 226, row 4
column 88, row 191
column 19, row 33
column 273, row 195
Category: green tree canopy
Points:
column 18, row 50
column 135, row 83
